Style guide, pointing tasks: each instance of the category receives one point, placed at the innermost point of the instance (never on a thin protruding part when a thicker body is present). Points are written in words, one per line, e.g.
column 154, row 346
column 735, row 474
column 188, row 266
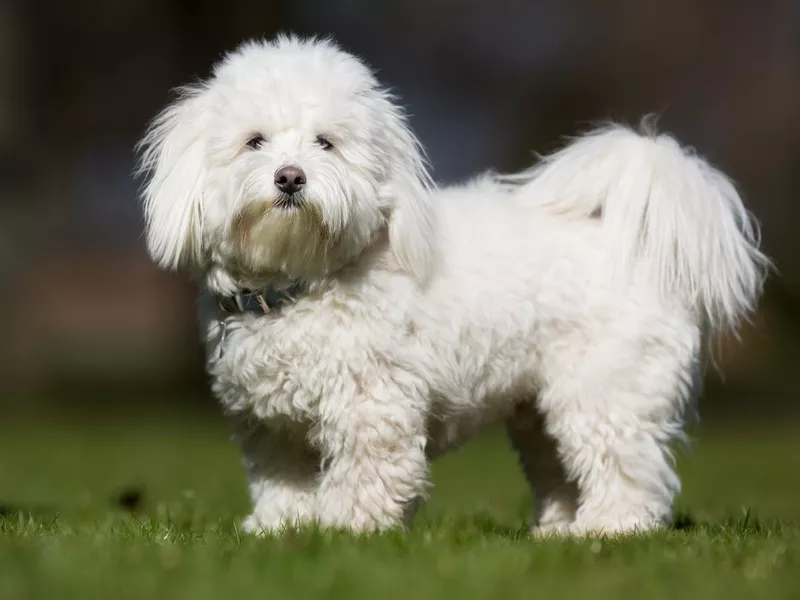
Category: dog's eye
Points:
column 324, row 142
column 256, row 141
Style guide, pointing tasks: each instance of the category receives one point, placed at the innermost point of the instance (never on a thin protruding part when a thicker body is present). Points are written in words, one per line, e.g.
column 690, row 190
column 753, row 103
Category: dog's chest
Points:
column 299, row 363
column 268, row 370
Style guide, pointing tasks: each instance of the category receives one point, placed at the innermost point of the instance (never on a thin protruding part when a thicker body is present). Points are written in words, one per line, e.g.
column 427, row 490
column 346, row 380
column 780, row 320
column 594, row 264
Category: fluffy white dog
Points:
column 360, row 321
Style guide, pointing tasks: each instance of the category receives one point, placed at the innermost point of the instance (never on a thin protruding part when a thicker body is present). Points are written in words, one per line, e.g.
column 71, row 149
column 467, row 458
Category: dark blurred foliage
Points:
column 85, row 316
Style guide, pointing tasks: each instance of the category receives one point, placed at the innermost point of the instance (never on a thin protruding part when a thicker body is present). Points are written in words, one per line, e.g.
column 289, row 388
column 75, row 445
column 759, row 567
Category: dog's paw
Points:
column 550, row 530
column 596, row 528
column 256, row 525
column 630, row 526
column 253, row 526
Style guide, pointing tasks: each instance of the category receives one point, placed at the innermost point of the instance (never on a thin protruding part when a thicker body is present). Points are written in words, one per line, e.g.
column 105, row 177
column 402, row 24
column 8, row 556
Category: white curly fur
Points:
column 431, row 314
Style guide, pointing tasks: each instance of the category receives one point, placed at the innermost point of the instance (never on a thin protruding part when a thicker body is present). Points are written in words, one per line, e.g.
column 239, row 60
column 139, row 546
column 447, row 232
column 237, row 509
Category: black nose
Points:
column 290, row 179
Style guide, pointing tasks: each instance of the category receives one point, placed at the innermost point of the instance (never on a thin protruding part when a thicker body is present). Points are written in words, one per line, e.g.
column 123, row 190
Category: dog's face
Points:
column 290, row 160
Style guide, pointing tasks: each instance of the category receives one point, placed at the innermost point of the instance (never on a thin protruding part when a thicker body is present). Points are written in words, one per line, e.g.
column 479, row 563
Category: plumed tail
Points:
column 668, row 215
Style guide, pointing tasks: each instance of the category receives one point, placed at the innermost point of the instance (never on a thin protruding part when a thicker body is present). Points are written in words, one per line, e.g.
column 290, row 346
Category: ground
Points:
column 148, row 506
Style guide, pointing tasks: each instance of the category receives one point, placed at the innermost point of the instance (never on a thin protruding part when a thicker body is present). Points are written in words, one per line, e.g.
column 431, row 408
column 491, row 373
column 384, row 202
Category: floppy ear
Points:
column 171, row 160
column 412, row 220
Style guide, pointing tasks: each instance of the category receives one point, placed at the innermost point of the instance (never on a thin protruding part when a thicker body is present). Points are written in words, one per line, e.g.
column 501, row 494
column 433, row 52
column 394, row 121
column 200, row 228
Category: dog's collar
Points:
column 260, row 301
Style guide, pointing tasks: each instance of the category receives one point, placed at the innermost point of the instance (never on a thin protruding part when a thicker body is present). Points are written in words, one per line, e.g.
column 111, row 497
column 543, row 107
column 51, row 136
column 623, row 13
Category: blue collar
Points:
column 261, row 301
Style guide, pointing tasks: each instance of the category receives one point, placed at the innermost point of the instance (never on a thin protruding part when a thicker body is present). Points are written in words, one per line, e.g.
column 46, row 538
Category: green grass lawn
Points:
column 65, row 536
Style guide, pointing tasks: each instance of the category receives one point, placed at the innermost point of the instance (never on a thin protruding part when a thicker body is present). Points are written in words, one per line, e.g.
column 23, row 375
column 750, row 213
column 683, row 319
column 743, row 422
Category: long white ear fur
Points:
column 412, row 220
column 172, row 163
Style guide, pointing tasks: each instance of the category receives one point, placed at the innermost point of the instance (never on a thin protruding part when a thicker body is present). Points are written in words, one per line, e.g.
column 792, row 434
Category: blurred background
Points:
column 87, row 321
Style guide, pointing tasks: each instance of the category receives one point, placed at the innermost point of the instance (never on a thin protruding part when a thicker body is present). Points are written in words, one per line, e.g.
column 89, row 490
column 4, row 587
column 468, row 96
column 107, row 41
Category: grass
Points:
column 65, row 535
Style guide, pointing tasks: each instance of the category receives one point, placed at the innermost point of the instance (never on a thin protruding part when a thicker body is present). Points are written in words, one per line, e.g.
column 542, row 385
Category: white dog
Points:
column 362, row 322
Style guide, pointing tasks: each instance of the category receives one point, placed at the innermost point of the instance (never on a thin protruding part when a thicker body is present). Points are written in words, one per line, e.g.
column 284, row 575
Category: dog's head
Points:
column 289, row 160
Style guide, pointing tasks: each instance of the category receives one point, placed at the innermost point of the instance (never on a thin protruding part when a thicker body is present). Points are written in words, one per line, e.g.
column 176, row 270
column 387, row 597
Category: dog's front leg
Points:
column 282, row 474
column 375, row 468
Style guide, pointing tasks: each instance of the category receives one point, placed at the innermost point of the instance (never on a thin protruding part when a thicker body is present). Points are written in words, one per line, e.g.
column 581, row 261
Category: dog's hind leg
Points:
column 555, row 497
column 615, row 415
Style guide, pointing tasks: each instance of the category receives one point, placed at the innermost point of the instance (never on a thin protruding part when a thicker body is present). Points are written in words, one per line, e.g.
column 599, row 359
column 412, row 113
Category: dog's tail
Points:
column 667, row 214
